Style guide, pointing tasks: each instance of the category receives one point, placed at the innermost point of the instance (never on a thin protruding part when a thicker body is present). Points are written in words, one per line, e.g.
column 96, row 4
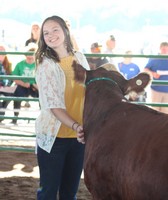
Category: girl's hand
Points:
column 80, row 134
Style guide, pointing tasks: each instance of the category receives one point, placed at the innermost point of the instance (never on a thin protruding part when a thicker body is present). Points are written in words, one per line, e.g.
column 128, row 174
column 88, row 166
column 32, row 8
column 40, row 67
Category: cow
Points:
column 126, row 144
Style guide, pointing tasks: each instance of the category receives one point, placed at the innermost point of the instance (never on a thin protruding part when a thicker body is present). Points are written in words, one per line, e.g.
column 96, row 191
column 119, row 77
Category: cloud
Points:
column 97, row 16
column 66, row 8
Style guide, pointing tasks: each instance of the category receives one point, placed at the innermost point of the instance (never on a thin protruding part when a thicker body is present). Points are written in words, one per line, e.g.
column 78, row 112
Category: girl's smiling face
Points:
column 53, row 34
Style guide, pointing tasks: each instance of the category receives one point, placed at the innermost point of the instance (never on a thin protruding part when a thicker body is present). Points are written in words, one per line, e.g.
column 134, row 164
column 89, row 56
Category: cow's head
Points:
column 107, row 72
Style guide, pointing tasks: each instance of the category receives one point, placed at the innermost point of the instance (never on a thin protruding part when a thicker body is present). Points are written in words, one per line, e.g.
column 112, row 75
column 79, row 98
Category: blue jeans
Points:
column 60, row 170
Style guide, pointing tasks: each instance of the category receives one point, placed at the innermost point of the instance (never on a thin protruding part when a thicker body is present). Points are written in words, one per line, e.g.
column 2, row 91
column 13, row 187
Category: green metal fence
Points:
column 11, row 98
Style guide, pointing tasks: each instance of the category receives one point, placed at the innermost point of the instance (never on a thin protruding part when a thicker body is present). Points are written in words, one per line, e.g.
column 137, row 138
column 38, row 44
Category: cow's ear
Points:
column 139, row 82
column 79, row 72
column 109, row 67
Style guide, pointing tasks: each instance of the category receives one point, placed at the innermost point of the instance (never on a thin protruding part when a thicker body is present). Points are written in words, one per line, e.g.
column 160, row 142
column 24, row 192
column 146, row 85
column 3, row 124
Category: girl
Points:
column 60, row 155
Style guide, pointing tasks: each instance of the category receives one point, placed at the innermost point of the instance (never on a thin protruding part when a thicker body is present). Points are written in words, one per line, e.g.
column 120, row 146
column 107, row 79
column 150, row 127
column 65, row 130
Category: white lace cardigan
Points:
column 50, row 79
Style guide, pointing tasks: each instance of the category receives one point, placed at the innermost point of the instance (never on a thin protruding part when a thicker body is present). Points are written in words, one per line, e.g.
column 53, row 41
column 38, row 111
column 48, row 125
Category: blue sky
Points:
column 119, row 13
column 93, row 19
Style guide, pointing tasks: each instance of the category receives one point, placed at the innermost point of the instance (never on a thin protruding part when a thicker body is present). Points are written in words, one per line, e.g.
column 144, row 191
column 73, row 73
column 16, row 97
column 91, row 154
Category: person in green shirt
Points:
column 25, row 87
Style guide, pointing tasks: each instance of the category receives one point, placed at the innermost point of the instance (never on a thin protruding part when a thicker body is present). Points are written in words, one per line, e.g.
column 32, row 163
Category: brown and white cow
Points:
column 126, row 152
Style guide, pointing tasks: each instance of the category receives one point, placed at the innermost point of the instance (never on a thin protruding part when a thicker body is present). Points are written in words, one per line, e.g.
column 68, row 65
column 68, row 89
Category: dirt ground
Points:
column 19, row 177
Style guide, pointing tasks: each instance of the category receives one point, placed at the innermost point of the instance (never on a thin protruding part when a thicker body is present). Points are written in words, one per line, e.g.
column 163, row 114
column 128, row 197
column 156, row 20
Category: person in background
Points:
column 5, row 69
column 59, row 152
column 25, row 87
column 95, row 62
column 34, row 36
column 129, row 70
column 158, row 68
column 127, row 67
column 5, row 64
column 110, row 46
column 75, row 45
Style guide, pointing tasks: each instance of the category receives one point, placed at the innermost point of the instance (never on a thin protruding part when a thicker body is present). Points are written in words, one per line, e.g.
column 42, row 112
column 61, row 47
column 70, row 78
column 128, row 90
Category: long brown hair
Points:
column 44, row 50
column 5, row 61
column 7, row 65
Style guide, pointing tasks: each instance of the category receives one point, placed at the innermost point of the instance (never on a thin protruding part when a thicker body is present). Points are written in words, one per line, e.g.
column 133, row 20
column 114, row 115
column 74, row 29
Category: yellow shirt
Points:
column 74, row 98
column 51, row 82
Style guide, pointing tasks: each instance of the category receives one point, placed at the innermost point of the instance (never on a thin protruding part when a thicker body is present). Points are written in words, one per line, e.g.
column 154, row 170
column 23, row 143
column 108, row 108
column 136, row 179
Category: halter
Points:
column 100, row 79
